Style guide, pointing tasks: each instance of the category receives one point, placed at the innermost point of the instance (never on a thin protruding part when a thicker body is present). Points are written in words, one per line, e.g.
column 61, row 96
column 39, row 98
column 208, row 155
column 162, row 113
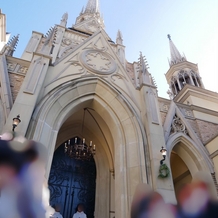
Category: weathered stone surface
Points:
column 16, row 81
column 163, row 117
column 207, row 130
column 194, row 126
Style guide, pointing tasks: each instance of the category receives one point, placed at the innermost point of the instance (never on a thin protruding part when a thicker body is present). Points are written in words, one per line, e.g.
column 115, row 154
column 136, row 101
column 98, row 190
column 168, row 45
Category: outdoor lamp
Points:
column 163, row 151
column 16, row 121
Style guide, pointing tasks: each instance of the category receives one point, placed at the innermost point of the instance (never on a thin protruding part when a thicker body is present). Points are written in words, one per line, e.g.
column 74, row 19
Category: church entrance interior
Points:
column 71, row 182
column 180, row 171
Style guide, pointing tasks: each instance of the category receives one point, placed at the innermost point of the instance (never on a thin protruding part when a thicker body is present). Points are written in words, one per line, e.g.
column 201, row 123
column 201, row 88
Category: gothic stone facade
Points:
column 69, row 69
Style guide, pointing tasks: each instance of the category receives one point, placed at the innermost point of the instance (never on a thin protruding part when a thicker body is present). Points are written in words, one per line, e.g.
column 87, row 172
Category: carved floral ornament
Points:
column 98, row 62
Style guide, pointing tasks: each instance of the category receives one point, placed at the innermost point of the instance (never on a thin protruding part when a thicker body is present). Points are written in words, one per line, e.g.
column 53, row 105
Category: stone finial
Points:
column 64, row 20
column 119, row 39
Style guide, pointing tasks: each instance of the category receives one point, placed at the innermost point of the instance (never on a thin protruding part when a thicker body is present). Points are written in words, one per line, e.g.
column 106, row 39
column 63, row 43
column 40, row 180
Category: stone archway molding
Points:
column 198, row 159
column 123, row 121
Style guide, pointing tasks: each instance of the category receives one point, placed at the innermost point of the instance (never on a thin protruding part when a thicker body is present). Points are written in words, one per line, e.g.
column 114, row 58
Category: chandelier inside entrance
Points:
column 77, row 148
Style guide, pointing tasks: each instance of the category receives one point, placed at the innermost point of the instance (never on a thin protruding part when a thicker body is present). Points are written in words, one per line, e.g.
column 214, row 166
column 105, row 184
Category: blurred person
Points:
column 140, row 200
column 22, row 168
column 57, row 213
column 80, row 212
column 149, row 204
column 198, row 199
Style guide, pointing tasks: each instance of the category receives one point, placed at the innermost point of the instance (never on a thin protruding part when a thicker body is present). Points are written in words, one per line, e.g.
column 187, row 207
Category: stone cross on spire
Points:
column 92, row 6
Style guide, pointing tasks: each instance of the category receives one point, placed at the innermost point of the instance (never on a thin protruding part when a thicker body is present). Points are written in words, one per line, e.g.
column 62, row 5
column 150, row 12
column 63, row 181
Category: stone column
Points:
column 155, row 134
column 28, row 94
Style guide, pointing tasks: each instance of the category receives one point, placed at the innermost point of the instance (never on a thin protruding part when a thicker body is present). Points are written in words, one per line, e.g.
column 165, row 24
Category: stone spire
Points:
column 184, row 73
column 90, row 19
column 92, row 7
column 10, row 47
column 176, row 57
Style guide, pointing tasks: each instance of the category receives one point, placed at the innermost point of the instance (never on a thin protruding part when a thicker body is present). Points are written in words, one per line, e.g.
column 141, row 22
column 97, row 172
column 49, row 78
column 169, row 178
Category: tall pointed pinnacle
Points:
column 64, row 20
column 144, row 76
column 92, row 7
column 176, row 57
column 119, row 39
column 143, row 63
column 10, row 47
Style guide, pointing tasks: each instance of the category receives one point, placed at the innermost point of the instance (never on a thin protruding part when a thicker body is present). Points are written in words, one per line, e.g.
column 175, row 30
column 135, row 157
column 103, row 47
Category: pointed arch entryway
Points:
column 186, row 159
column 121, row 150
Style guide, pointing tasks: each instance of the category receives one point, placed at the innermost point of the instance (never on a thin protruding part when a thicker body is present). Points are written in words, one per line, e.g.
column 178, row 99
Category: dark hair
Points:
column 57, row 207
column 80, row 205
column 13, row 158
column 10, row 157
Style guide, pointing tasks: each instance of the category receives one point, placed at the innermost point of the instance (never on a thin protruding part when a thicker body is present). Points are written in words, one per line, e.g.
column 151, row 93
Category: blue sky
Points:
column 192, row 24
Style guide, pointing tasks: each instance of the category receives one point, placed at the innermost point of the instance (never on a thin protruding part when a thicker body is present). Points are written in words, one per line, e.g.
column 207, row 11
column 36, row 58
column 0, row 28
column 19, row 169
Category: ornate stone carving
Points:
column 68, row 44
column 117, row 75
column 178, row 125
column 98, row 62
column 92, row 26
column 163, row 106
column 22, row 69
column 11, row 66
column 67, row 41
column 188, row 113
column 17, row 68
column 169, row 92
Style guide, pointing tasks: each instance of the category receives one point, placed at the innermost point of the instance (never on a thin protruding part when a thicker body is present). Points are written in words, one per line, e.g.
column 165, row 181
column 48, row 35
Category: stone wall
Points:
column 16, row 81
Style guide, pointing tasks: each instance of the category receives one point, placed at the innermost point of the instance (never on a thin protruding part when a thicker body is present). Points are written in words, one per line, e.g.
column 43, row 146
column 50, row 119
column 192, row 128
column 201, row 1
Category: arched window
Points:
column 174, row 85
